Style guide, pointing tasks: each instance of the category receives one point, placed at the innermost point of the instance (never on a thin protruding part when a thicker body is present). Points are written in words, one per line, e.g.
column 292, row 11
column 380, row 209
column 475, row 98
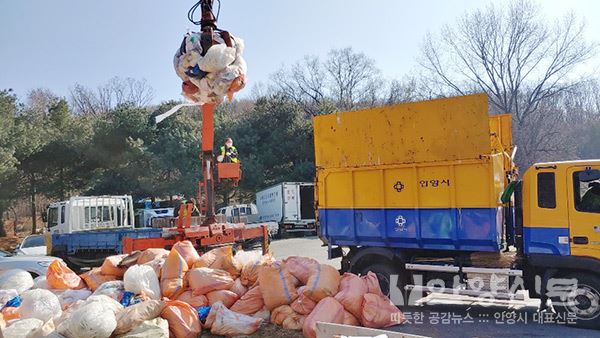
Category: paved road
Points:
column 456, row 316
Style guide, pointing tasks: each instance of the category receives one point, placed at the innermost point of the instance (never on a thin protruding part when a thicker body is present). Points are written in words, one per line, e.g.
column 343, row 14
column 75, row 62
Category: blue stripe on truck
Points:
column 546, row 240
column 467, row 229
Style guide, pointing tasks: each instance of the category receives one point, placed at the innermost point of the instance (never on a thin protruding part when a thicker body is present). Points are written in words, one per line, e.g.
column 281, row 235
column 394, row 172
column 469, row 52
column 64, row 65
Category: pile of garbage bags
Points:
column 209, row 77
column 178, row 293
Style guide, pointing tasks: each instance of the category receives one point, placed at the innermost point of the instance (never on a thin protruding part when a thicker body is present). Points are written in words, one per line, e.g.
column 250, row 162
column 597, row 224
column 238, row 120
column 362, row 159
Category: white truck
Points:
column 290, row 204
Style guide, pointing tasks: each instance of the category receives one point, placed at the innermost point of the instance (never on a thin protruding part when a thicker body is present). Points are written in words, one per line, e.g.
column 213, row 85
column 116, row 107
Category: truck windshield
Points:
column 52, row 217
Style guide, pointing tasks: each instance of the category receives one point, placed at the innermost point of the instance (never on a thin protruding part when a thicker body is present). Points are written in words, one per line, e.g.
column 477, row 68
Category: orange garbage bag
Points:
column 10, row 313
column 187, row 251
column 228, row 298
column 149, row 255
column 324, row 282
column 249, row 273
column 220, row 258
column 183, row 319
column 250, row 303
column 205, row 280
column 59, row 276
column 352, row 290
column 280, row 313
column 301, row 267
column 304, row 305
column 238, row 288
column 349, row 319
column 379, row 312
column 372, row 283
column 111, row 266
column 328, row 310
column 293, row 322
column 224, row 322
column 277, row 285
column 94, row 278
column 172, row 281
column 194, row 301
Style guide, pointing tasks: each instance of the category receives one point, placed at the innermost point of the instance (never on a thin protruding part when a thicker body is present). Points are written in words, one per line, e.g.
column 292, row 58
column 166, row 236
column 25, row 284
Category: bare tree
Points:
column 511, row 53
column 115, row 92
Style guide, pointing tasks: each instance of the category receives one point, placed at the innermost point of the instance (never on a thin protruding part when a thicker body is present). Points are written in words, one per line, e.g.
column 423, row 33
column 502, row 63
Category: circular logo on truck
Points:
column 399, row 186
column 400, row 224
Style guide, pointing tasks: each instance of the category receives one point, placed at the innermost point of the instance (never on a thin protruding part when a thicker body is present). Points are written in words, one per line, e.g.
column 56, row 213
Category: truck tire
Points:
column 384, row 271
column 583, row 302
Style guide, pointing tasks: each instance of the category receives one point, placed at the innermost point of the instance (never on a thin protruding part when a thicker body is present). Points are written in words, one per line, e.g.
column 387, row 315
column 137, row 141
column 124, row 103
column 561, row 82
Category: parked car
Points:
column 35, row 265
column 32, row 245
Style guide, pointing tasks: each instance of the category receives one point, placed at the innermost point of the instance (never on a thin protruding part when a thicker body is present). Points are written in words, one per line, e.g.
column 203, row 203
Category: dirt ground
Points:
column 270, row 331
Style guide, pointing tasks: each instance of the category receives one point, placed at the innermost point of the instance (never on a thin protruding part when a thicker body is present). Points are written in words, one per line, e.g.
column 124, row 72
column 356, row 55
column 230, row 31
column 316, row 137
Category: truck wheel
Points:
column 282, row 233
column 583, row 302
column 384, row 271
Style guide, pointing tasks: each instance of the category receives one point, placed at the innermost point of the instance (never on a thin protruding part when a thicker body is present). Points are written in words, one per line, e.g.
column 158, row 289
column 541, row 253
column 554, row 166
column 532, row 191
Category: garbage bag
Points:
column 7, row 295
column 183, row 319
column 112, row 289
column 94, row 320
column 187, row 251
column 324, row 282
column 60, row 277
column 151, row 254
column 48, row 330
column 194, row 301
column 301, row 267
column 94, row 278
column 21, row 328
column 71, row 296
column 130, row 260
column 228, row 298
column 379, row 312
column 10, row 313
column 135, row 315
column 293, row 322
column 304, row 305
column 328, row 310
column 350, row 319
column 238, row 288
column 280, row 313
column 205, row 280
column 350, row 295
column 157, row 265
column 39, row 303
column 277, row 285
column 250, row 303
column 110, row 266
column 40, row 282
column 217, row 58
column 224, row 322
column 16, row 279
column 263, row 314
column 155, row 328
column 251, row 261
column 220, row 258
column 172, row 281
column 141, row 278
column 372, row 283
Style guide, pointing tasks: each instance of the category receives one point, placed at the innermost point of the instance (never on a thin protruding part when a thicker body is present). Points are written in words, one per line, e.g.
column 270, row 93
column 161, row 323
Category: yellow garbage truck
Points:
column 427, row 196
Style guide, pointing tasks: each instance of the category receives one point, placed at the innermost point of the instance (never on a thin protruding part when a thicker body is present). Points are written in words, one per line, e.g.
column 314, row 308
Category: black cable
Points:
column 192, row 12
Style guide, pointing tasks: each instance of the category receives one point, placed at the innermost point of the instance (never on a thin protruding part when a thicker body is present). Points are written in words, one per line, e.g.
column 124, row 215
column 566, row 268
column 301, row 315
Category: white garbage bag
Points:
column 48, row 330
column 71, row 296
column 17, row 279
column 41, row 282
column 217, row 58
column 111, row 289
column 41, row 304
column 21, row 328
column 155, row 328
column 142, row 278
column 7, row 295
column 93, row 320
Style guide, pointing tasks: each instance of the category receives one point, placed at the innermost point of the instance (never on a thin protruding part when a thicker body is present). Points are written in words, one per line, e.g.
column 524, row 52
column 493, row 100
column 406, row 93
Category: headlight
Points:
column 44, row 264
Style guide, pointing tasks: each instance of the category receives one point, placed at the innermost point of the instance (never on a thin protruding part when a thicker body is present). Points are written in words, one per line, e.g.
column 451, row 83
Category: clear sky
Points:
column 56, row 43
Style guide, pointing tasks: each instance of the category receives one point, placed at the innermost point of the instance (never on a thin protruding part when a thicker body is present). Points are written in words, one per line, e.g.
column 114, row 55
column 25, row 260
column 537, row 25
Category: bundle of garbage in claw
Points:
column 179, row 293
column 209, row 77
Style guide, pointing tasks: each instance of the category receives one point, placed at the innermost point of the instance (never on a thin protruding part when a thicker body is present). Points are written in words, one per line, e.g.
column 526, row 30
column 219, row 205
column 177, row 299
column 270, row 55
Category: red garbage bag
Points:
column 324, row 282
column 277, row 285
column 301, row 267
column 183, row 319
column 352, row 290
column 328, row 310
column 304, row 305
column 378, row 312
column 250, row 303
column 187, row 251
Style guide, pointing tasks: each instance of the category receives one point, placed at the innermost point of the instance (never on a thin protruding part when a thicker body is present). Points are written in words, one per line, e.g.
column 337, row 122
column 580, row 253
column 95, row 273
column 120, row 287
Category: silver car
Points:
column 35, row 265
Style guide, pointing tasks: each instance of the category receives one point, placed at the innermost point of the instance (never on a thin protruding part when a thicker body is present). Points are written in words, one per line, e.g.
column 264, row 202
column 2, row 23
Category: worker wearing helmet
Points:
column 228, row 153
column 591, row 199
